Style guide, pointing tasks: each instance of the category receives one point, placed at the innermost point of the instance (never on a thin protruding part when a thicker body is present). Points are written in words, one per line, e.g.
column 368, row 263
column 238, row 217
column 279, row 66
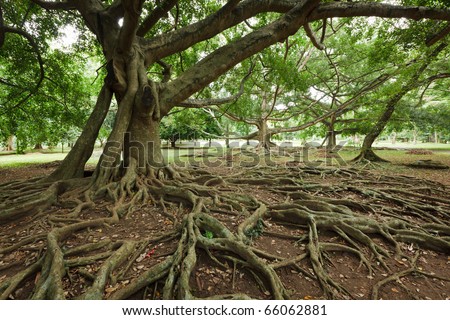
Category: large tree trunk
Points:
column 142, row 143
column 133, row 148
column 75, row 161
column 264, row 136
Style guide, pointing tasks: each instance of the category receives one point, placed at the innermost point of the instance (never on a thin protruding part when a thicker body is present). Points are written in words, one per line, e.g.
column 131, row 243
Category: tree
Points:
column 138, row 38
column 45, row 92
column 188, row 124
column 404, row 86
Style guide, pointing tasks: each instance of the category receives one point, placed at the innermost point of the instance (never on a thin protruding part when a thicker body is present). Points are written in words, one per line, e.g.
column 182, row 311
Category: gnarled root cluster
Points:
column 165, row 227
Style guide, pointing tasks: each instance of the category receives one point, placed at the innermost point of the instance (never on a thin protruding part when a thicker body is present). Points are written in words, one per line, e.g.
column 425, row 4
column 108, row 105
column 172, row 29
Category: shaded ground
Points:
column 410, row 271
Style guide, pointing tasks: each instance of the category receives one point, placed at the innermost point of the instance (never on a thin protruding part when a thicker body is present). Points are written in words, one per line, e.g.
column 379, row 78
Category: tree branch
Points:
column 438, row 36
column 133, row 9
column 167, row 44
column 231, row 14
column 226, row 57
column 167, row 71
column 316, row 42
column 54, row 5
column 202, row 103
column 375, row 9
column 429, row 81
column 153, row 18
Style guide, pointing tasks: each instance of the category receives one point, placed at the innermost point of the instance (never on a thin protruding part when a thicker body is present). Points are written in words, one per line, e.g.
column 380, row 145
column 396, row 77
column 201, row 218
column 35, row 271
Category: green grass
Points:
column 441, row 153
column 20, row 160
column 406, row 145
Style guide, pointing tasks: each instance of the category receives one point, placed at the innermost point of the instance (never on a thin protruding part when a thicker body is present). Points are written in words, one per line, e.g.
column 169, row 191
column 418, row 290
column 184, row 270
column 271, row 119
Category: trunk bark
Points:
column 366, row 149
column 134, row 146
column 173, row 143
column 142, row 143
column 264, row 136
column 75, row 161
column 331, row 140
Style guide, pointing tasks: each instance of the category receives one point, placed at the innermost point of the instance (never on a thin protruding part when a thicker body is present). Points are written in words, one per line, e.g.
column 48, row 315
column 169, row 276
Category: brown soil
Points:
column 211, row 278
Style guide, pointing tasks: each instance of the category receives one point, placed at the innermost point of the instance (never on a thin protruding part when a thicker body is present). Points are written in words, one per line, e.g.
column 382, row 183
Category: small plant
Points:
column 256, row 231
column 208, row 234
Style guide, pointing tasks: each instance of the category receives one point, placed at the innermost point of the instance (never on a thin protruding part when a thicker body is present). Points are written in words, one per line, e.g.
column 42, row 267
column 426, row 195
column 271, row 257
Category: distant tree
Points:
column 188, row 124
column 414, row 77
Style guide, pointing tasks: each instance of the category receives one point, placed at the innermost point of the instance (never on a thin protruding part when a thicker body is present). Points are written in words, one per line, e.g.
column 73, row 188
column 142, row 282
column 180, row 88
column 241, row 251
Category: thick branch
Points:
column 202, row 103
column 179, row 40
column 127, row 34
column 229, row 55
column 438, row 36
column 230, row 15
column 316, row 42
column 155, row 16
column 53, row 5
column 375, row 9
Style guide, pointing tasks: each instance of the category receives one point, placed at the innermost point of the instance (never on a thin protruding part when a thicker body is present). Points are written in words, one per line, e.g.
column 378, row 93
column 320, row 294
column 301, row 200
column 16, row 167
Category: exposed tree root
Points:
column 368, row 156
column 224, row 219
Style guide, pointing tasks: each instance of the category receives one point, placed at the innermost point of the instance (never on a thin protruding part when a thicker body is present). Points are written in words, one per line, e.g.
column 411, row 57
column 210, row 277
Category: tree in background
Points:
column 45, row 91
column 188, row 124
column 405, row 83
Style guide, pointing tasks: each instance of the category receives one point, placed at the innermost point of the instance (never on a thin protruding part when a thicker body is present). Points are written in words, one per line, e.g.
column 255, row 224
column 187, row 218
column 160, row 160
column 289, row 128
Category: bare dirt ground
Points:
column 214, row 276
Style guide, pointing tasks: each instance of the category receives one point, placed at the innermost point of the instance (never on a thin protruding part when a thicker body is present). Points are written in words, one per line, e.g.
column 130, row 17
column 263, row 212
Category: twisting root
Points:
column 60, row 227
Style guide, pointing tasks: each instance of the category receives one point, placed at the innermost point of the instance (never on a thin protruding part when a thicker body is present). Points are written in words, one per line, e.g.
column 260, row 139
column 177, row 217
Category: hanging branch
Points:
column 324, row 30
column 316, row 42
column 438, row 36
column 53, row 5
column 167, row 71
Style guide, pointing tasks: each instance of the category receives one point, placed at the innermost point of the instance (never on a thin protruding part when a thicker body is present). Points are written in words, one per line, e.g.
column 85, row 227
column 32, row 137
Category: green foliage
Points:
column 208, row 234
column 188, row 124
column 256, row 231
column 56, row 112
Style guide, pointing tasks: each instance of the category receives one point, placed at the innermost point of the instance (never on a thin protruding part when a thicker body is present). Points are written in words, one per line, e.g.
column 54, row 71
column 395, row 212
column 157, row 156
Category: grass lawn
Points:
column 397, row 156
